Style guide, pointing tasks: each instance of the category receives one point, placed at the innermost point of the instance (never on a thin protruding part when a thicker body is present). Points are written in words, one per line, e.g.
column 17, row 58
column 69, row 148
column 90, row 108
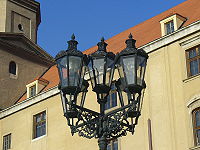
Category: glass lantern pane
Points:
column 141, row 65
column 129, row 69
column 81, row 99
column 63, row 73
column 84, row 69
column 75, row 65
column 98, row 66
column 121, row 74
column 91, row 74
column 109, row 72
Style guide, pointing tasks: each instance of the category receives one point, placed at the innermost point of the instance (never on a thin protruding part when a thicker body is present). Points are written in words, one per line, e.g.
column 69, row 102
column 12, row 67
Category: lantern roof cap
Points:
column 131, row 48
column 101, row 51
column 72, row 49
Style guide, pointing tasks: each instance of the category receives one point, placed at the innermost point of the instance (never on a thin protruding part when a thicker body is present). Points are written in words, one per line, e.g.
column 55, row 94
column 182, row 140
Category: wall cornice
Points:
column 29, row 102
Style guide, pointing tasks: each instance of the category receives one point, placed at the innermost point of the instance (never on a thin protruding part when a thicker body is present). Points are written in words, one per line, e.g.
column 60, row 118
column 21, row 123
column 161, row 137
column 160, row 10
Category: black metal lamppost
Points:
column 73, row 66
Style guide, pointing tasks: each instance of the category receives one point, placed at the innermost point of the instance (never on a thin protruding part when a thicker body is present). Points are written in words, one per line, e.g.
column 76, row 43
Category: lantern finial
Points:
column 102, row 45
column 102, row 39
column 73, row 37
column 130, row 36
column 72, row 44
column 130, row 42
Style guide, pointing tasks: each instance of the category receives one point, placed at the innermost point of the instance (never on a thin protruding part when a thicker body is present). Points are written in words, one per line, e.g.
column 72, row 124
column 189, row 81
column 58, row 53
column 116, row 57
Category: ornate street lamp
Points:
column 71, row 67
column 101, row 70
column 131, row 65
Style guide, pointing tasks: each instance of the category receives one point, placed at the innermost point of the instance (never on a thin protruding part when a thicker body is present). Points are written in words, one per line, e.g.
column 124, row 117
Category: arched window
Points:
column 196, row 125
column 13, row 68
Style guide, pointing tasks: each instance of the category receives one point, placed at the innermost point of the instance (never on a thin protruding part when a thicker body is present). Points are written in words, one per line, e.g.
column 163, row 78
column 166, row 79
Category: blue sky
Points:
column 89, row 20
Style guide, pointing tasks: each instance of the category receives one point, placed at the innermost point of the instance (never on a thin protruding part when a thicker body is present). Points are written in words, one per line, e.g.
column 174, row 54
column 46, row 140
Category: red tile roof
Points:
column 150, row 29
column 144, row 33
column 51, row 76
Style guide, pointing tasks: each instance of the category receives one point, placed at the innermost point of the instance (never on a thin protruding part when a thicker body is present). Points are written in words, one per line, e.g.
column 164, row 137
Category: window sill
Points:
column 195, row 148
column 12, row 76
column 191, row 78
column 38, row 138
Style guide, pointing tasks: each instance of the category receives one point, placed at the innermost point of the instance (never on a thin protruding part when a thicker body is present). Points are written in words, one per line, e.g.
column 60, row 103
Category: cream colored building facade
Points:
column 166, row 123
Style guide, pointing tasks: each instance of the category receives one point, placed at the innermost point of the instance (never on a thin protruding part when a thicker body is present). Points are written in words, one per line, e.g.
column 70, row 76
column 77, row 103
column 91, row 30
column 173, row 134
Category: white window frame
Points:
column 28, row 87
column 10, row 144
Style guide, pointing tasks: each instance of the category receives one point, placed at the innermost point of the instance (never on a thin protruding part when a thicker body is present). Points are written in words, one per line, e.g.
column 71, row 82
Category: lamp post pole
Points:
column 73, row 65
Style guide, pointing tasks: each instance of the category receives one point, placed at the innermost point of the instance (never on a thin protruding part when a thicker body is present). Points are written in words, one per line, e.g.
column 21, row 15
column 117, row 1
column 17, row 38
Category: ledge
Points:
column 195, row 148
column 29, row 102
column 191, row 78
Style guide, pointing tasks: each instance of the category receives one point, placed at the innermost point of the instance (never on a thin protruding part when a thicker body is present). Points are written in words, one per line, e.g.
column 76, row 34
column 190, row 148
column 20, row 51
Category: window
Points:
column 169, row 27
column 39, row 124
column 32, row 91
column 20, row 27
column 112, row 145
column 196, row 125
column 13, row 68
column 112, row 98
column 193, row 61
column 7, row 142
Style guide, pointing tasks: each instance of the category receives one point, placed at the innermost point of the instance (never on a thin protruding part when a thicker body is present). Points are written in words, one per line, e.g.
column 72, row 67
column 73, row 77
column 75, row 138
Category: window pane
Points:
column 169, row 27
column 7, row 142
column 194, row 68
column 107, row 105
column 33, row 91
column 109, row 147
column 198, row 137
column 114, row 99
column 192, row 53
column 12, row 68
column 115, row 145
column 40, row 124
column 197, row 118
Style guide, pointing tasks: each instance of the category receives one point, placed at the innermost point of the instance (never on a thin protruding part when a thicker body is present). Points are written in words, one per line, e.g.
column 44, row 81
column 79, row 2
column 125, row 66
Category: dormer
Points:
column 171, row 23
column 35, row 87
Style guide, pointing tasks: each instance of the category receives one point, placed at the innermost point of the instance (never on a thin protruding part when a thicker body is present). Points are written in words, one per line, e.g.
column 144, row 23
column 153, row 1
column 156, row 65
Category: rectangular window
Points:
column 32, row 91
column 39, row 124
column 112, row 145
column 112, row 98
column 7, row 142
column 193, row 61
column 169, row 27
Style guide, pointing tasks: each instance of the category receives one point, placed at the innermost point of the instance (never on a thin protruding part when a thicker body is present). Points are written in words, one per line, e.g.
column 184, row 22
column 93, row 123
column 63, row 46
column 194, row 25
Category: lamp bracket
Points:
column 113, row 124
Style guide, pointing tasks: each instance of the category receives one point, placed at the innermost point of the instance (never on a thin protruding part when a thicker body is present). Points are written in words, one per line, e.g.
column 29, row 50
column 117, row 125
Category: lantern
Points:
column 71, row 66
column 101, row 70
column 131, row 65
